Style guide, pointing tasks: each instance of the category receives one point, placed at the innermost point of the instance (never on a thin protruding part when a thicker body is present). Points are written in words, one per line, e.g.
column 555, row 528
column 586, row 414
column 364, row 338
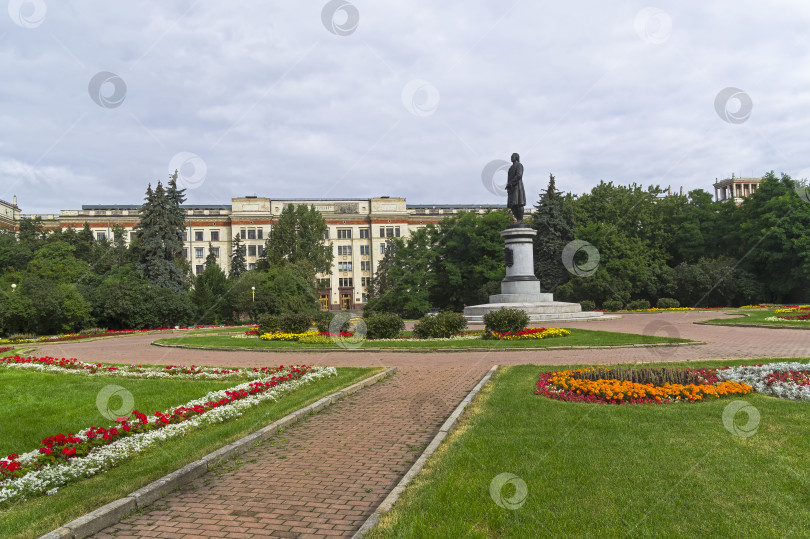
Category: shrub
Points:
column 587, row 305
column 667, row 303
column 21, row 336
column 295, row 322
column 638, row 304
column 506, row 320
column 269, row 323
column 441, row 325
column 383, row 326
column 323, row 319
column 612, row 305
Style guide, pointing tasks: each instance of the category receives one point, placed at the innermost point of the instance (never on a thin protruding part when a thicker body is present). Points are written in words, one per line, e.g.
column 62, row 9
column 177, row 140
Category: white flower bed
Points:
column 100, row 459
column 755, row 377
column 132, row 371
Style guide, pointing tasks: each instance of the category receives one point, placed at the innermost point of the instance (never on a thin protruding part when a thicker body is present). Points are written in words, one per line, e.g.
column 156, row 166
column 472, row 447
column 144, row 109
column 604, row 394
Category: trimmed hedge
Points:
column 587, row 305
column 383, row 325
column 638, row 304
column 439, row 326
column 506, row 320
column 667, row 303
column 612, row 305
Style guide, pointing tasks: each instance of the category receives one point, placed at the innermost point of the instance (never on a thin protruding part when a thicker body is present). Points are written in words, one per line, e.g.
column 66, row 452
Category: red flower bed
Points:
column 63, row 447
column 799, row 378
column 5, row 349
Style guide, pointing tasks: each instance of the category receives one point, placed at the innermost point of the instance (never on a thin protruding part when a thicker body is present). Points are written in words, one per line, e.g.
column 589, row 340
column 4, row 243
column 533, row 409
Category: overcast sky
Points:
column 339, row 99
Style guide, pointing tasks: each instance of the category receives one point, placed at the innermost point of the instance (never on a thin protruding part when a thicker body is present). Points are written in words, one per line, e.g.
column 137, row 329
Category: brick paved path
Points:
column 324, row 476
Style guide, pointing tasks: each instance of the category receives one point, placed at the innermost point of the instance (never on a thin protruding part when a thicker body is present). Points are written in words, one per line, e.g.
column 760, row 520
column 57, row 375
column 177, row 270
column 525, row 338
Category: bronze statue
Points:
column 516, row 195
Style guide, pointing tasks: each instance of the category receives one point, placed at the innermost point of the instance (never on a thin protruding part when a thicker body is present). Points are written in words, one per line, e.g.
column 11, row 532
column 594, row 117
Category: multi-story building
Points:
column 735, row 189
column 9, row 213
column 358, row 231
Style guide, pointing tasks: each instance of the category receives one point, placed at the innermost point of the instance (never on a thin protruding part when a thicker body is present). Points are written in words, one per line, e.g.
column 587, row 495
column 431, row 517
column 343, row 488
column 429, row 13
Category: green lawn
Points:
column 578, row 337
column 54, row 403
column 757, row 317
column 40, row 515
column 611, row 471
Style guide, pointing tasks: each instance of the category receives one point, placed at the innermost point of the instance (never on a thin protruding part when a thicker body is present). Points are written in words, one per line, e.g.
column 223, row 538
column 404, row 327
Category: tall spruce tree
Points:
column 159, row 241
column 238, row 261
column 554, row 231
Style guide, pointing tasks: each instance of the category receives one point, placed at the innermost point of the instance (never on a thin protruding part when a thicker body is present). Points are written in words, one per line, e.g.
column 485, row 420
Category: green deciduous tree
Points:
column 238, row 260
column 299, row 237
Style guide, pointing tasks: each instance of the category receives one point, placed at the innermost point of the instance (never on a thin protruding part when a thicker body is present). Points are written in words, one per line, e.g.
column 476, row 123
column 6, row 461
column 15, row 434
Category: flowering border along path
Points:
column 74, row 366
column 783, row 380
column 568, row 386
column 65, row 458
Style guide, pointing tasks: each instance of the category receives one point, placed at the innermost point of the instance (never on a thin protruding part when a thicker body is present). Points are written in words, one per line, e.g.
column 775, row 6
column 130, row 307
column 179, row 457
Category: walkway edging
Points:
column 111, row 513
column 445, row 429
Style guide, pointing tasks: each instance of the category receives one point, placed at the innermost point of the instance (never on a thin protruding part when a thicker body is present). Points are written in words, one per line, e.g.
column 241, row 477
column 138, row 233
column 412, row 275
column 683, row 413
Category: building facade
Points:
column 735, row 189
column 358, row 231
column 9, row 213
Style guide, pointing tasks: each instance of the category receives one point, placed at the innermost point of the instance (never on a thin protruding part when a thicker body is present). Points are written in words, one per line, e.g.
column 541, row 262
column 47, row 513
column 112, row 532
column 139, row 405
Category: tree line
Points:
column 67, row 281
column 619, row 243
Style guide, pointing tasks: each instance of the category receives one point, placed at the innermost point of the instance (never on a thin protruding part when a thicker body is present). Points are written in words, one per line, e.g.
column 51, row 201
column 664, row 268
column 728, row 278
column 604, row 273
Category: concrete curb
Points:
column 111, row 513
column 423, row 350
column 445, row 429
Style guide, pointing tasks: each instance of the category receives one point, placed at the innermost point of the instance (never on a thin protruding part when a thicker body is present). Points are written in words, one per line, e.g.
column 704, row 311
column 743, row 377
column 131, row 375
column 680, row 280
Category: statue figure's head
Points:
column 515, row 157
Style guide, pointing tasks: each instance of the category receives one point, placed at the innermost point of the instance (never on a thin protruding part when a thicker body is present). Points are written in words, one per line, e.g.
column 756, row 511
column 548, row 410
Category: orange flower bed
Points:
column 566, row 385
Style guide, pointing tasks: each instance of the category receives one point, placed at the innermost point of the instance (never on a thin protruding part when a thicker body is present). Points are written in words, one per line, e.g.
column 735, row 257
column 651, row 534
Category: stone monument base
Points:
column 521, row 288
column 538, row 311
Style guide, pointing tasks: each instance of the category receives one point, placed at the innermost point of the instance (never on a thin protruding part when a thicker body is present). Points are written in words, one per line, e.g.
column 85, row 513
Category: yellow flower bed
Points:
column 544, row 333
column 282, row 336
column 621, row 390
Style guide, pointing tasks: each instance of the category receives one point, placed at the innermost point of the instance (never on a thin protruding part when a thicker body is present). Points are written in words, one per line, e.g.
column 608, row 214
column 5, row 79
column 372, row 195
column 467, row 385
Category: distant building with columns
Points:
column 358, row 231
column 735, row 189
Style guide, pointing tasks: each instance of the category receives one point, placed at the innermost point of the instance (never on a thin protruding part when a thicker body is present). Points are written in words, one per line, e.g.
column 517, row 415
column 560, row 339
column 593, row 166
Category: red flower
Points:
column 68, row 451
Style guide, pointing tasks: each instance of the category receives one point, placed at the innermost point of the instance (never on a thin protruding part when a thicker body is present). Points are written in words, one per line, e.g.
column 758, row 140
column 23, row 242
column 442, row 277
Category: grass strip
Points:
column 608, row 470
column 758, row 317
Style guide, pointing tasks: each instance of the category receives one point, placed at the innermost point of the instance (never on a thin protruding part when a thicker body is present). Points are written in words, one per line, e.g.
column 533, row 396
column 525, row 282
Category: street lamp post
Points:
column 253, row 289
column 13, row 286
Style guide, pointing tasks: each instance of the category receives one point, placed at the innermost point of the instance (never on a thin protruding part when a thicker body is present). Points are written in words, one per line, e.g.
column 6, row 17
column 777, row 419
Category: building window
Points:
column 326, row 234
column 365, row 265
column 389, row 231
column 344, row 266
column 101, row 236
column 185, row 253
column 382, row 248
column 345, row 281
column 365, row 249
column 259, row 233
column 365, row 298
column 251, row 234
column 198, row 252
column 251, row 267
column 198, row 235
column 243, row 233
column 200, row 268
column 251, row 250
column 365, row 281
column 344, row 250
column 215, row 250
column 215, row 235
column 364, row 233
column 344, row 233
column 260, row 250
column 324, row 283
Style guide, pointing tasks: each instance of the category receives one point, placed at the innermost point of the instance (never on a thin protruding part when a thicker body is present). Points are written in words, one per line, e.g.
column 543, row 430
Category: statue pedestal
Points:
column 520, row 289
